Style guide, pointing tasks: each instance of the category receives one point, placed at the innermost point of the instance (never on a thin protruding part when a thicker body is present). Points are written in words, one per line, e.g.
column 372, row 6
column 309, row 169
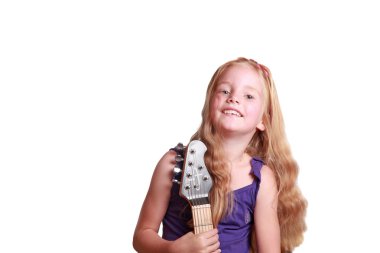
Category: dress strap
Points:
column 256, row 165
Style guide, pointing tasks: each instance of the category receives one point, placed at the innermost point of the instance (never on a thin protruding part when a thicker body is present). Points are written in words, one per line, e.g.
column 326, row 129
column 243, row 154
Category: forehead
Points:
column 241, row 74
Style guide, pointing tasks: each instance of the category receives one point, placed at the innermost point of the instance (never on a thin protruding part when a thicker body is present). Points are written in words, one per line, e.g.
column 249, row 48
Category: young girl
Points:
column 255, row 202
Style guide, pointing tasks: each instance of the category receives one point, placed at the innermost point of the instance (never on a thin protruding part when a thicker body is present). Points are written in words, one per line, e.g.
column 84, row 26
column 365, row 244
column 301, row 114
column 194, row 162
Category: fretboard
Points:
column 202, row 218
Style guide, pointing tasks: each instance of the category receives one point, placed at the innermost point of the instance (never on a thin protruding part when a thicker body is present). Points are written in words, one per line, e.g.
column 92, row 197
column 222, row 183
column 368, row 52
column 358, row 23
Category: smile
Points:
column 232, row 112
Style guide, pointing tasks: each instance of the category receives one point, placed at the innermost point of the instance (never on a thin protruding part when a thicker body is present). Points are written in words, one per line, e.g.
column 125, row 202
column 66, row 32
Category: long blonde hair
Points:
column 271, row 145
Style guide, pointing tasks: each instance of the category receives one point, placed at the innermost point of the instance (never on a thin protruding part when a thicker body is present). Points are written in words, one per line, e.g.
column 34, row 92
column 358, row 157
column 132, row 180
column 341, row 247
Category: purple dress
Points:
column 234, row 229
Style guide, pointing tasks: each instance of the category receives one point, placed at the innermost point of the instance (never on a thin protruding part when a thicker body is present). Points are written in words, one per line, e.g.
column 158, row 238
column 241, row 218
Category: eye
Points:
column 250, row 96
column 225, row 92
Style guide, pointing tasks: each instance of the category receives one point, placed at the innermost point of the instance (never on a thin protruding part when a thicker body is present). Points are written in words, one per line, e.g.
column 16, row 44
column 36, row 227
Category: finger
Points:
column 210, row 233
column 213, row 239
column 214, row 247
column 189, row 233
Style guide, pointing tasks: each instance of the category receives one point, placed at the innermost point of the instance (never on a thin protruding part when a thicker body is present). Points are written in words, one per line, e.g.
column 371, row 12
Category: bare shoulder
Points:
column 268, row 186
column 267, row 174
column 164, row 168
column 167, row 159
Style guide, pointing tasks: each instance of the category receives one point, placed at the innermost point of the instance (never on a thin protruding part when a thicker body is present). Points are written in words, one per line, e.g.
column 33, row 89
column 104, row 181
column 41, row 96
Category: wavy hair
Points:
column 271, row 145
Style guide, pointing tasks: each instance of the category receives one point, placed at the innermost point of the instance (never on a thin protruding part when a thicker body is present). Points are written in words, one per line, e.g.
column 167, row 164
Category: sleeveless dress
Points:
column 234, row 230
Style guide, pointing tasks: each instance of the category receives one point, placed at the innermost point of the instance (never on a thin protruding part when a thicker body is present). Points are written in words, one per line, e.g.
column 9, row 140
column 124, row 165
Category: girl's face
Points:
column 237, row 103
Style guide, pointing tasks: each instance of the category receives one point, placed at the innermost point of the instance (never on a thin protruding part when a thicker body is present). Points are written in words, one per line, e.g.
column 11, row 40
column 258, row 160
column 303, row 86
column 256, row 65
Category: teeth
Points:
column 232, row 112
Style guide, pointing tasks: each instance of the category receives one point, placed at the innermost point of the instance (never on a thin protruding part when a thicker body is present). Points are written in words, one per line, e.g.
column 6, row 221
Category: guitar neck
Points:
column 196, row 183
column 202, row 218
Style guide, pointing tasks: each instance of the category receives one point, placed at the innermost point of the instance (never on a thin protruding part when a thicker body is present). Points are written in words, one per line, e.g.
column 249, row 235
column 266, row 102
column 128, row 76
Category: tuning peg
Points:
column 180, row 147
column 178, row 158
column 177, row 172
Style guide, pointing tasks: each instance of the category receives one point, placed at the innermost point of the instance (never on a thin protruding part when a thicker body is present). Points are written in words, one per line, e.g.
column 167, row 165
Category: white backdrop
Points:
column 92, row 93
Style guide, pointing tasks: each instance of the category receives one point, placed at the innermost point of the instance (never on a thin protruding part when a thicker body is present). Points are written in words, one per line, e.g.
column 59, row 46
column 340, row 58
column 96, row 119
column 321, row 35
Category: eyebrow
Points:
column 245, row 87
column 248, row 87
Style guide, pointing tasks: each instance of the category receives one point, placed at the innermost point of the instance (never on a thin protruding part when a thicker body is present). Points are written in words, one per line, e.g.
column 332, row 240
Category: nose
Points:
column 233, row 99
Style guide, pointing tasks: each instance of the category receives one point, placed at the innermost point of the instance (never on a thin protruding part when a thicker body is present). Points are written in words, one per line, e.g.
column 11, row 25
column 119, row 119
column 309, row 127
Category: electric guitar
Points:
column 195, row 183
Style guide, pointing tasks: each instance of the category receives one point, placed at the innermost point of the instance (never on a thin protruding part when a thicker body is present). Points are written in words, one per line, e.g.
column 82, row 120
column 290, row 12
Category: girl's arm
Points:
column 266, row 220
column 146, row 238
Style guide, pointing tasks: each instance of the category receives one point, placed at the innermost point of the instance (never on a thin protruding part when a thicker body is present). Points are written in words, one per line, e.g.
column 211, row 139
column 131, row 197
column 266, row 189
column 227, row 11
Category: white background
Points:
column 92, row 93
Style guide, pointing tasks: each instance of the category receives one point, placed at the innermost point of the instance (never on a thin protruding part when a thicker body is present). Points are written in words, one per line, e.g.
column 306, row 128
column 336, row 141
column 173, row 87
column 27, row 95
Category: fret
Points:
column 202, row 218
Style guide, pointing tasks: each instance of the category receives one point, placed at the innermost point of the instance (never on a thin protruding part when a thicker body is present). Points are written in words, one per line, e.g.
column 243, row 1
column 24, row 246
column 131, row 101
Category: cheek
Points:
column 255, row 112
column 215, row 104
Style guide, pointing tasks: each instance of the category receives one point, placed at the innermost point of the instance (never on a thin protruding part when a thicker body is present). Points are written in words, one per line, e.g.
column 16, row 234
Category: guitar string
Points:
column 204, row 220
column 204, row 209
column 202, row 206
column 198, row 188
column 194, row 196
column 193, row 199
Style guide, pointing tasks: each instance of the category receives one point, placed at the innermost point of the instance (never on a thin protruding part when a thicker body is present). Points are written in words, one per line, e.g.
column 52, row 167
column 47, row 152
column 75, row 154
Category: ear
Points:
column 260, row 126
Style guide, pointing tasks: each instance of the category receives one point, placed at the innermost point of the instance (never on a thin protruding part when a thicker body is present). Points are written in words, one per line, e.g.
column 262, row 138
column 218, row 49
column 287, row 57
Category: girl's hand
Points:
column 207, row 242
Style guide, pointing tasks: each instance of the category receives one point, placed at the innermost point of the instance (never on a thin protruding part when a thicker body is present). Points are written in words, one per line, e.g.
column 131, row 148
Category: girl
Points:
column 255, row 202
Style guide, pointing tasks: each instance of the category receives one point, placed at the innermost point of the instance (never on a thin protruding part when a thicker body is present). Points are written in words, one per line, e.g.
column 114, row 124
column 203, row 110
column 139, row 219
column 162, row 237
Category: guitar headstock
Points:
column 196, row 180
